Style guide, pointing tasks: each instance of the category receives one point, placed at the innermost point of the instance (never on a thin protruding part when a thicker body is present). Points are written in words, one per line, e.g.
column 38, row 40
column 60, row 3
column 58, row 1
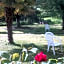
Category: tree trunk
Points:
column 18, row 20
column 63, row 22
column 62, row 10
column 18, row 23
column 9, row 18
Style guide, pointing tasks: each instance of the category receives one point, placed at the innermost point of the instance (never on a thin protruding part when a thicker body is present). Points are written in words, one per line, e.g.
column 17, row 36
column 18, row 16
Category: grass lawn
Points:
column 31, row 36
column 54, row 20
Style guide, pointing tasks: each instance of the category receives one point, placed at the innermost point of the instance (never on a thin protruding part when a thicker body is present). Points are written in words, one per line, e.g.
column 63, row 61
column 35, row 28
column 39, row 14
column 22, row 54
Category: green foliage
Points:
column 35, row 62
column 52, row 61
column 53, row 20
column 5, row 61
column 24, row 23
column 30, row 1
column 6, row 55
column 23, row 56
column 50, row 7
column 8, row 2
column 19, row 1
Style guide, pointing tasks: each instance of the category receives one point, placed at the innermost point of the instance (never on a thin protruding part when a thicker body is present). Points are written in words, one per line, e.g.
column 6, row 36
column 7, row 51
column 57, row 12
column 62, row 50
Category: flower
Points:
column 41, row 57
column 15, row 56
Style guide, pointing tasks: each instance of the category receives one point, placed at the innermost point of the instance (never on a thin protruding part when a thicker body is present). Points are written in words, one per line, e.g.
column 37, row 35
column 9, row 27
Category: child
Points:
column 47, row 27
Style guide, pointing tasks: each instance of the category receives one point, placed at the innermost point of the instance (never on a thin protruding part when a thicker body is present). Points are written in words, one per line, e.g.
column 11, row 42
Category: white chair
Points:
column 50, row 39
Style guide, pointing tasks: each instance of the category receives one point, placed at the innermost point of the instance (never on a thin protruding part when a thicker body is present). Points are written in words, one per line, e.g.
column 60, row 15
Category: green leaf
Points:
column 52, row 61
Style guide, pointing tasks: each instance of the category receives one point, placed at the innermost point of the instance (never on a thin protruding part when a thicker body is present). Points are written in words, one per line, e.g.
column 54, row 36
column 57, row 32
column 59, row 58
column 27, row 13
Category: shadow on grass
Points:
column 39, row 30
column 57, row 31
column 3, row 33
column 32, row 30
column 36, row 30
column 43, row 48
column 15, row 51
column 15, row 44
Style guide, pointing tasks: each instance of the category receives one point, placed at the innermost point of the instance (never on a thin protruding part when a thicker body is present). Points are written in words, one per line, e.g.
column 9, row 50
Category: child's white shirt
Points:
column 47, row 27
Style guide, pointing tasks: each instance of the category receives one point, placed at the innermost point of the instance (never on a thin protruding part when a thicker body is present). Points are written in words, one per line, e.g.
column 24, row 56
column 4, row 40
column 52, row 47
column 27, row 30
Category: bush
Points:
column 6, row 55
column 5, row 61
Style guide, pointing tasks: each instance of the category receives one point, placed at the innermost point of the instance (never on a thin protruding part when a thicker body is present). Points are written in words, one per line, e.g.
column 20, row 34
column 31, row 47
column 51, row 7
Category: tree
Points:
column 9, row 18
column 54, row 7
column 58, row 5
column 10, row 6
column 61, row 4
column 6, row 4
column 18, row 20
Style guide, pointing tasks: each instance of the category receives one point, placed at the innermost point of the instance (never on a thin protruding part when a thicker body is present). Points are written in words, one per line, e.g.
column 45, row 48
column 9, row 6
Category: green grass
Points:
column 54, row 20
